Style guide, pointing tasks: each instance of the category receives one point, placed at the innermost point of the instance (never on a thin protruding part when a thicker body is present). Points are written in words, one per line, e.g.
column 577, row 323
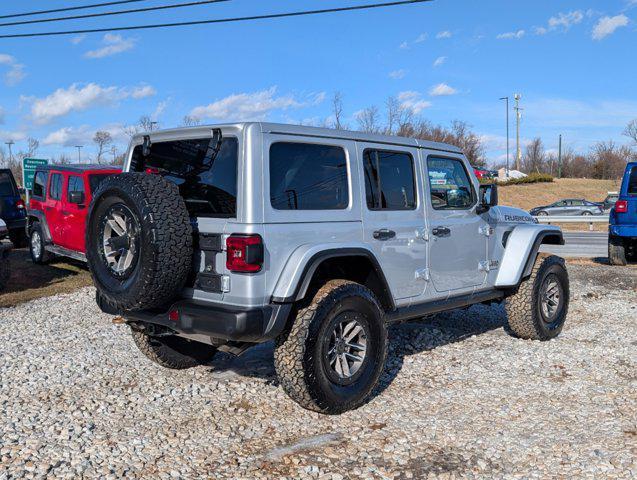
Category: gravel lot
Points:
column 460, row 398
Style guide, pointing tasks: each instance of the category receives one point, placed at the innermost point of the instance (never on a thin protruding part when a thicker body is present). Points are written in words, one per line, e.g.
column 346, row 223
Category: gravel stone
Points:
column 459, row 398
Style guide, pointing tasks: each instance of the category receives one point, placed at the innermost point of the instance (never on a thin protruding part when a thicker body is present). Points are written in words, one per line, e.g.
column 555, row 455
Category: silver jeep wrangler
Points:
column 223, row 237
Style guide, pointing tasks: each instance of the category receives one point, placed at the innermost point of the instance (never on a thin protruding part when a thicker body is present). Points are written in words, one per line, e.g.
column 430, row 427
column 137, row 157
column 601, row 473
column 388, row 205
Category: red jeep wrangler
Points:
column 58, row 205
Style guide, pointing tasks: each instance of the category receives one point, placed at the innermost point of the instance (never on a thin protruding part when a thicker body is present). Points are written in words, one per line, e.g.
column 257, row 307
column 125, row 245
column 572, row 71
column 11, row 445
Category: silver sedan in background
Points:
column 568, row 207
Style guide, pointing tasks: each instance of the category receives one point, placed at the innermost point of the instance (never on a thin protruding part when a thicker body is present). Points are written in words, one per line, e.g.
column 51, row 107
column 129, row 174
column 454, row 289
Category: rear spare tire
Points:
column 138, row 241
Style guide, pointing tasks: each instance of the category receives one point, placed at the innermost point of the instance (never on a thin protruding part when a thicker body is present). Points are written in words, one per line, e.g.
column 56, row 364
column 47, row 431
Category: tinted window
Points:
column 389, row 180
column 55, row 187
column 577, row 203
column 308, row 177
column 7, row 189
column 450, row 186
column 76, row 184
column 632, row 182
column 208, row 187
column 95, row 180
column 39, row 184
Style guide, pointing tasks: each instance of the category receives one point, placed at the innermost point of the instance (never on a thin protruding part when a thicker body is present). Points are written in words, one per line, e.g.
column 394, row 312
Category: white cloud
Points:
column 413, row 101
column 511, row 35
column 566, row 20
column 112, row 45
column 404, row 46
column 78, row 39
column 607, row 25
column 80, row 97
column 7, row 136
column 398, row 74
column 439, row 61
column 442, row 90
column 421, row 38
column 83, row 135
column 16, row 73
column 445, row 34
column 252, row 106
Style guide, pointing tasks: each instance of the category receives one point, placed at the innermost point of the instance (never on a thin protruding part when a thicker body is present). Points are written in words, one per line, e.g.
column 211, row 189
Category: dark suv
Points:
column 12, row 208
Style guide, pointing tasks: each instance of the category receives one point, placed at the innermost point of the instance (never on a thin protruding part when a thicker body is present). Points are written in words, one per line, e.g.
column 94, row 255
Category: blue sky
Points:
column 571, row 60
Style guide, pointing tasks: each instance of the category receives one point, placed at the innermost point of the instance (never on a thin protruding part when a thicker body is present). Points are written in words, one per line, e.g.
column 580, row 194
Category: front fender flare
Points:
column 521, row 250
column 300, row 267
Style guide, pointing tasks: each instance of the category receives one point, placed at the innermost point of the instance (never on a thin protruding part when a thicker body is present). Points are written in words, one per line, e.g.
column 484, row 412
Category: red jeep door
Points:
column 53, row 207
column 74, row 213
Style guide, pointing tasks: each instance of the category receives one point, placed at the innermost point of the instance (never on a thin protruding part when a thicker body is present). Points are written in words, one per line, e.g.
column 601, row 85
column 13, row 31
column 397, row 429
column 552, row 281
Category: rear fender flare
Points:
column 297, row 274
column 522, row 247
column 38, row 216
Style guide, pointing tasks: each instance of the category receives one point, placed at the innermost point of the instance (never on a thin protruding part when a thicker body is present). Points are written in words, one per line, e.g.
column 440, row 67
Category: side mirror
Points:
column 76, row 198
column 488, row 197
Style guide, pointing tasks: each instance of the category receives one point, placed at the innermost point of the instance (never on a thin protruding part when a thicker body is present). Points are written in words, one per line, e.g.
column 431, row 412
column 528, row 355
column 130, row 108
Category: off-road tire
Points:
column 524, row 312
column 5, row 269
column 163, row 260
column 173, row 352
column 617, row 251
column 37, row 235
column 298, row 351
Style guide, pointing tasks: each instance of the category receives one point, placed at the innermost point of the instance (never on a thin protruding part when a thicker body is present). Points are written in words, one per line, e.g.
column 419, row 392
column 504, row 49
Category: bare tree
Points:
column 534, row 158
column 337, row 111
column 368, row 120
column 190, row 121
column 32, row 147
column 631, row 131
column 147, row 124
column 102, row 139
column 608, row 161
column 63, row 159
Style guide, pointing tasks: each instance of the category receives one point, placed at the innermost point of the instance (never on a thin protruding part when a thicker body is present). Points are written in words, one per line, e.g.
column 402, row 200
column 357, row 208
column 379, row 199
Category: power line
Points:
column 68, row 9
column 106, row 14
column 219, row 20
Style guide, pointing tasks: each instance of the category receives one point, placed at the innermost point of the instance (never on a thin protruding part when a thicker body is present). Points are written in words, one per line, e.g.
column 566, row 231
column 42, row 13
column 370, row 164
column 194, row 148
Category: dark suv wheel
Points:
column 332, row 357
column 37, row 245
column 617, row 251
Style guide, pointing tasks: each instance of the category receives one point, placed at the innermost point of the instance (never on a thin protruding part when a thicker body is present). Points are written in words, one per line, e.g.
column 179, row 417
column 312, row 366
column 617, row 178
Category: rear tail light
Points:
column 151, row 171
column 19, row 204
column 173, row 315
column 244, row 253
column 621, row 206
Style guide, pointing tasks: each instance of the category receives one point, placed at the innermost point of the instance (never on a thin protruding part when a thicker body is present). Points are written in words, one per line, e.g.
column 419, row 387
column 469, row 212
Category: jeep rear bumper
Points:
column 192, row 318
column 624, row 230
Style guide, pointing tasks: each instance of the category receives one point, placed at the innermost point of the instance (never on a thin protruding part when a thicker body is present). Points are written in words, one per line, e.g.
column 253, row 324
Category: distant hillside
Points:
column 538, row 194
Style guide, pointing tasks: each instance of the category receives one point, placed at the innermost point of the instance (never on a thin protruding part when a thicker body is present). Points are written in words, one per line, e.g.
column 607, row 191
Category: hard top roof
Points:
column 79, row 167
column 302, row 130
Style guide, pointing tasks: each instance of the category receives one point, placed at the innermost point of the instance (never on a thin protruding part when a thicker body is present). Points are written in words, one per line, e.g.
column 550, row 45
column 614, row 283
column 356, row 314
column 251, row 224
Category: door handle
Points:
column 441, row 231
column 384, row 234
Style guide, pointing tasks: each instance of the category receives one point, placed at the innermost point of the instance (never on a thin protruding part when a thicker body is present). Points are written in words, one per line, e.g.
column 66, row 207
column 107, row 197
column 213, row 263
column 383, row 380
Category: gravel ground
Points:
column 460, row 398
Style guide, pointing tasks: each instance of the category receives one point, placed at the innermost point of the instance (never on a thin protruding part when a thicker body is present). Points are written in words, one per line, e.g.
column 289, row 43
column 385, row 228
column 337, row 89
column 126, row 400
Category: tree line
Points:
column 604, row 160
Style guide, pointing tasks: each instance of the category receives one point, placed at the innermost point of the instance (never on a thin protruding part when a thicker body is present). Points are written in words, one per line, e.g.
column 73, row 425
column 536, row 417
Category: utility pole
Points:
column 559, row 158
column 79, row 153
column 518, row 116
column 114, row 152
column 152, row 126
column 10, row 143
column 506, row 171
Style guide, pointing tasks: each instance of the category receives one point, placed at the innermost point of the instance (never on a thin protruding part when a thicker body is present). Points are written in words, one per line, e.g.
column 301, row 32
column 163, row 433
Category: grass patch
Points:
column 30, row 281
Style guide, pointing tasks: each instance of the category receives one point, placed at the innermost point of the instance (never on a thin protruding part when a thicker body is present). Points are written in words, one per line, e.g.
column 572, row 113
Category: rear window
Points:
column 7, row 187
column 307, row 176
column 55, row 187
column 208, row 188
column 39, row 184
column 632, row 182
column 76, row 184
column 389, row 180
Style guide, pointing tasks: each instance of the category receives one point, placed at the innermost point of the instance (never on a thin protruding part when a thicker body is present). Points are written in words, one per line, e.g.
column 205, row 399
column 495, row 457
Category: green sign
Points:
column 28, row 170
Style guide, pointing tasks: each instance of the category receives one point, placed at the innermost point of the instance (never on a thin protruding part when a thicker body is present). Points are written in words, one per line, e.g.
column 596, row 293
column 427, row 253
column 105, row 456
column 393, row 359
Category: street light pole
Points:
column 559, row 159
column 518, row 116
column 79, row 153
column 10, row 143
column 506, row 171
column 152, row 126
